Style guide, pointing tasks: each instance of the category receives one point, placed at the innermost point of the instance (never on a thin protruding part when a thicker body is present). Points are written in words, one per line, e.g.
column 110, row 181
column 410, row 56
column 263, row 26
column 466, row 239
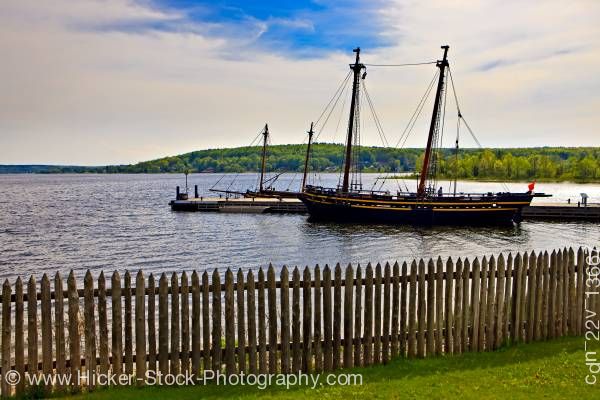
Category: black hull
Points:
column 328, row 212
column 492, row 210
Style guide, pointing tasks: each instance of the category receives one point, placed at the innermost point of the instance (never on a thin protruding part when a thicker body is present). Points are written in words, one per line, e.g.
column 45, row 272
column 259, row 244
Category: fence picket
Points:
column 430, row 308
column 358, row 310
column 348, row 318
column 327, row 321
column 306, row 323
column 476, row 292
column 46, row 309
column 32, row 327
column 102, row 324
column 337, row 317
column 518, row 296
column 368, row 325
column 230, row 368
column 448, row 305
column 251, row 316
column 59, row 329
column 140, row 328
column 403, row 308
column 272, row 297
column 421, row 310
column 175, row 365
column 185, row 323
column 466, row 319
column 499, row 333
column 19, row 336
column 196, row 332
column 152, row 355
column 296, row 356
column 508, row 285
column 458, row 304
column 531, row 295
column 439, row 302
column 546, row 296
column 395, row 309
column 491, row 306
column 128, row 325
column 579, row 311
column 385, row 340
column 318, row 351
column 412, row 312
column 216, row 321
column 285, row 320
column 262, row 328
column 117, row 322
column 163, row 324
column 6, row 333
column 241, row 324
column 89, row 327
column 206, row 349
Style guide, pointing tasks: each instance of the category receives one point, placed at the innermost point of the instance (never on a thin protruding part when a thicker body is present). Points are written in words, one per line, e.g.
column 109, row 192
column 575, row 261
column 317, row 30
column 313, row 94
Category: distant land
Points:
column 579, row 164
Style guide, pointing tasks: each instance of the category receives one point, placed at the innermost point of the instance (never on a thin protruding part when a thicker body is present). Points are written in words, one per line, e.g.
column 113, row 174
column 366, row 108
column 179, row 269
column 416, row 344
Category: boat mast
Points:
column 356, row 68
column 434, row 122
column 264, row 156
column 310, row 136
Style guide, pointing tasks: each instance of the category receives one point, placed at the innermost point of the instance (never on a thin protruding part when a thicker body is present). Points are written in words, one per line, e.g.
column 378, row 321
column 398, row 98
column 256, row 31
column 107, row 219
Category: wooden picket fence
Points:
column 325, row 320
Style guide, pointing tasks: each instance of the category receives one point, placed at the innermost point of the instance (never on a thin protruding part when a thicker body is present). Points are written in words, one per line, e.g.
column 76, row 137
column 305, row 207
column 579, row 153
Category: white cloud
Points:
column 89, row 96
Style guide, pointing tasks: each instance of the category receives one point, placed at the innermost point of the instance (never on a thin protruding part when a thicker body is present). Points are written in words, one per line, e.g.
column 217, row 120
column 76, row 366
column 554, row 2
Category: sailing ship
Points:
column 348, row 202
column 265, row 186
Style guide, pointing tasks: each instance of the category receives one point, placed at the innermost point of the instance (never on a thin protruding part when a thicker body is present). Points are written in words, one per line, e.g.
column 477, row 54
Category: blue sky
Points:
column 296, row 28
column 119, row 81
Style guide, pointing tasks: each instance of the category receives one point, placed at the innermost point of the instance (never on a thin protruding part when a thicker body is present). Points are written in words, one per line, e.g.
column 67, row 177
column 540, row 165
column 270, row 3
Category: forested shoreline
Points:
column 580, row 164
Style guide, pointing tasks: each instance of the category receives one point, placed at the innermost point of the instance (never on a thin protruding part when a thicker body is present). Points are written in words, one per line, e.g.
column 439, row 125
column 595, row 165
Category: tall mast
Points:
column 310, row 135
column 434, row 122
column 356, row 68
column 264, row 156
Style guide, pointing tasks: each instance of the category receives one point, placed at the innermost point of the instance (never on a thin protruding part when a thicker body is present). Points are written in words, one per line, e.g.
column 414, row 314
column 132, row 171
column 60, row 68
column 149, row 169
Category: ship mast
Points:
column 434, row 123
column 356, row 68
column 264, row 156
column 310, row 136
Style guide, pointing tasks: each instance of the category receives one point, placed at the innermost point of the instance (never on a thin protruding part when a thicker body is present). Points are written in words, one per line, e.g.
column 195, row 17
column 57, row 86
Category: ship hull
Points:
column 494, row 210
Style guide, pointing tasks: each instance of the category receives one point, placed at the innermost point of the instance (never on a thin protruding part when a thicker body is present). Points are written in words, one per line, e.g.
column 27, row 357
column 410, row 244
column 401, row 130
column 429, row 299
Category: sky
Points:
column 93, row 82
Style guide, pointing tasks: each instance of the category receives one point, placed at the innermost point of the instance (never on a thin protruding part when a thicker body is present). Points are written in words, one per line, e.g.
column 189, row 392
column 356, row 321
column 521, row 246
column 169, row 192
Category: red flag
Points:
column 531, row 186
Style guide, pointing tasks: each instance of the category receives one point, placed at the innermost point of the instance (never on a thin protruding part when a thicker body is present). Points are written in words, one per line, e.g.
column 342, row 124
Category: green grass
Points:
column 554, row 370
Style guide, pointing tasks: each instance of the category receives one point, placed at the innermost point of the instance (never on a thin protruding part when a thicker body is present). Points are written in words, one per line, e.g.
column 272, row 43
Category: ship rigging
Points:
column 348, row 202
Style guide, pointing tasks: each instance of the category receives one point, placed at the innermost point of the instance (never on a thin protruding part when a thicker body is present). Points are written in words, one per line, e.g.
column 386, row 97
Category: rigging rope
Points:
column 461, row 117
column 413, row 119
column 342, row 85
column 401, row 65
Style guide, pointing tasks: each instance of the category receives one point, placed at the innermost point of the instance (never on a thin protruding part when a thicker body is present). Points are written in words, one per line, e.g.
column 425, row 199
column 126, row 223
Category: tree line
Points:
column 542, row 163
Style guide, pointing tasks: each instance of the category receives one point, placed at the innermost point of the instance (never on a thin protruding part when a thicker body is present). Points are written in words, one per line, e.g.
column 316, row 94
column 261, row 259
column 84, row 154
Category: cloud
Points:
column 116, row 81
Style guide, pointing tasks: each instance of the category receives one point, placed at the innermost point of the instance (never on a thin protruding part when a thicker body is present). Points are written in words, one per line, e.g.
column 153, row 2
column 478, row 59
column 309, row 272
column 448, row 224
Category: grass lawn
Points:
column 554, row 369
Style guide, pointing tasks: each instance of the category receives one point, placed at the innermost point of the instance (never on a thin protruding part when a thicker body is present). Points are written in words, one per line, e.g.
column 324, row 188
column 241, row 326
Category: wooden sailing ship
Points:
column 266, row 186
column 348, row 202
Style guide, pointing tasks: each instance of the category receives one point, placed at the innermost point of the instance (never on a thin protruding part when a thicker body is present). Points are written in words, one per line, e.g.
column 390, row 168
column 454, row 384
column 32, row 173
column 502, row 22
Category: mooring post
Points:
column 195, row 191
column 177, row 191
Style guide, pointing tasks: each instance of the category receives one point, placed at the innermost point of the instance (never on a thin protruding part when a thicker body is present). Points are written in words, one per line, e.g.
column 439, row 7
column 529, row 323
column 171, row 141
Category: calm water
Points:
column 63, row 222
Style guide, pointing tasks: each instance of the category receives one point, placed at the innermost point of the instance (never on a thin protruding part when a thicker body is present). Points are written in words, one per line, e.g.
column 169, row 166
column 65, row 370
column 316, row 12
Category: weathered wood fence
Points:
column 314, row 320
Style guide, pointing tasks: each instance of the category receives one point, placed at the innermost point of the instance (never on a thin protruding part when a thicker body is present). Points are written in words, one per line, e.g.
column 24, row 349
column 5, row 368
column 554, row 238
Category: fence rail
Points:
column 323, row 320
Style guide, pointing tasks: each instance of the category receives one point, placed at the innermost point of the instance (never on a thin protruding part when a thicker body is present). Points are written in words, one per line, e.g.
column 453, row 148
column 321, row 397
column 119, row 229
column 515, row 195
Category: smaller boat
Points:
column 266, row 186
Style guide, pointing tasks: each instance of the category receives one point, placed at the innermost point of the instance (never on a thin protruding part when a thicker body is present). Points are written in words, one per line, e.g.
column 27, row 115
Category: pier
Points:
column 249, row 205
column 270, row 205
column 562, row 212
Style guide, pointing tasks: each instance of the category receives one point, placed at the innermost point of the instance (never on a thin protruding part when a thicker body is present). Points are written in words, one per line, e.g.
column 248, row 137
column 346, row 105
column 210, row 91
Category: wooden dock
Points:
column 253, row 205
column 264, row 205
column 562, row 212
